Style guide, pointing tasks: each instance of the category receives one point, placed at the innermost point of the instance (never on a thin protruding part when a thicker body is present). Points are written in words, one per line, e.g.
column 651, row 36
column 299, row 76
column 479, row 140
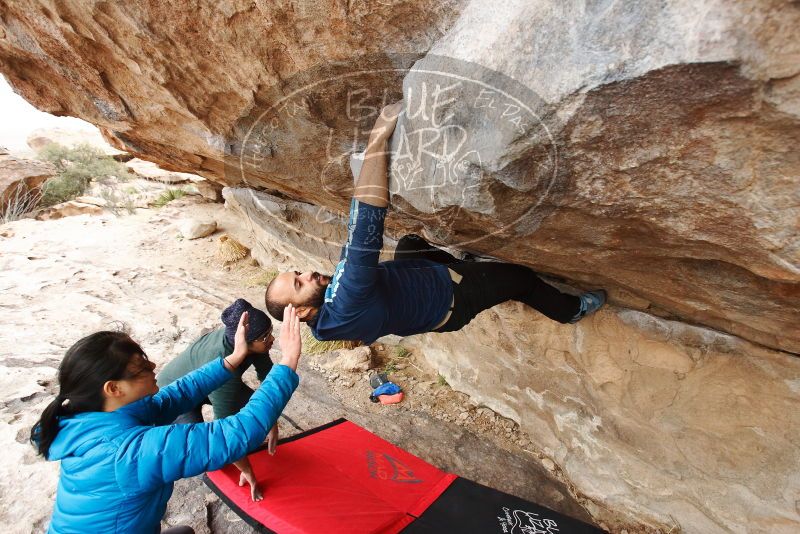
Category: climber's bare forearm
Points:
column 372, row 186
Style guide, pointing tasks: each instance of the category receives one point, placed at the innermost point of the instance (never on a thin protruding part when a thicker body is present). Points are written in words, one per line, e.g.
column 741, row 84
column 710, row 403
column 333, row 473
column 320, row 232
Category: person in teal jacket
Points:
column 109, row 427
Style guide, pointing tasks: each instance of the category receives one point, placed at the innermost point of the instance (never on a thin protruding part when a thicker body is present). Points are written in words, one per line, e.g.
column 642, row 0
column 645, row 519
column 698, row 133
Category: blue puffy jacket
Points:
column 118, row 468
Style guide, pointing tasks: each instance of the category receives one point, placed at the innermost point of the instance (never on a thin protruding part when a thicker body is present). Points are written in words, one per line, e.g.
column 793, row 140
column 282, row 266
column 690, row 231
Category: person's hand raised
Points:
column 290, row 338
column 240, row 338
column 239, row 343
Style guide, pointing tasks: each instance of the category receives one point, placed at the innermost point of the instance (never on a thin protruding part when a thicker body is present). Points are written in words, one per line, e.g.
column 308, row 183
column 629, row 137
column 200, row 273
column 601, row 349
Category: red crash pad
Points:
column 335, row 478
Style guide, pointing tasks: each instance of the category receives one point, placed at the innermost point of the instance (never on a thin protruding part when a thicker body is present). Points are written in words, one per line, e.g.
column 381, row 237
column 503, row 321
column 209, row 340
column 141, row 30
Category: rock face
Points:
column 20, row 183
column 654, row 419
column 150, row 171
column 285, row 233
column 137, row 72
column 647, row 148
column 656, row 157
column 70, row 208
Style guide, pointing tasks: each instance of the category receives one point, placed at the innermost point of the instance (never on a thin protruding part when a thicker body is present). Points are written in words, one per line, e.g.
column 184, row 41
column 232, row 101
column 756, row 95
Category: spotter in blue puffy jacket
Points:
column 118, row 468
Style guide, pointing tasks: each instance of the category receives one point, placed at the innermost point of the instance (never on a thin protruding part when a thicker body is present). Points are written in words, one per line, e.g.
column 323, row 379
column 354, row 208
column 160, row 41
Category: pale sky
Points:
column 18, row 119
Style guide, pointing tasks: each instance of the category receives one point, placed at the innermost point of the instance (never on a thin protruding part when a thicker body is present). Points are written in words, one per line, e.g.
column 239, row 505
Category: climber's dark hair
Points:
column 87, row 365
column 274, row 307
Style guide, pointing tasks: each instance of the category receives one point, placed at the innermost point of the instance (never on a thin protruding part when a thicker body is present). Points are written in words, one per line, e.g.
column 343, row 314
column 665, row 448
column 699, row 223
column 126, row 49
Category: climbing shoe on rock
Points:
column 591, row 301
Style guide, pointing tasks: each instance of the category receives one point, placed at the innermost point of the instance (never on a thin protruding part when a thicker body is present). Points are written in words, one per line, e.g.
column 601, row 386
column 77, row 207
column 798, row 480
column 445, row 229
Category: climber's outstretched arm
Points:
column 372, row 185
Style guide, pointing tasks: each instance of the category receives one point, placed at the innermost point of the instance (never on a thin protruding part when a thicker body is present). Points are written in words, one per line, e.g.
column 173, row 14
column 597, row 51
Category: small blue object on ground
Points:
column 388, row 388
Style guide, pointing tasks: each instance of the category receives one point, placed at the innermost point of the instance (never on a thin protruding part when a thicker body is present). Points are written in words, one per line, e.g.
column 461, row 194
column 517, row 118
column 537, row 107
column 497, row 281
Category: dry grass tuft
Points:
column 18, row 203
column 231, row 250
column 312, row 345
column 262, row 279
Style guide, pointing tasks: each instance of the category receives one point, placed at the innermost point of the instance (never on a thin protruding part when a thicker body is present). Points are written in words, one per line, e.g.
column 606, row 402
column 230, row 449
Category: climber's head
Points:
column 305, row 291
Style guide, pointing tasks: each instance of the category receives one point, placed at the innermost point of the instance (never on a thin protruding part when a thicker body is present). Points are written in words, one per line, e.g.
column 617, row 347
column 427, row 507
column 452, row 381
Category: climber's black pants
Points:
column 486, row 284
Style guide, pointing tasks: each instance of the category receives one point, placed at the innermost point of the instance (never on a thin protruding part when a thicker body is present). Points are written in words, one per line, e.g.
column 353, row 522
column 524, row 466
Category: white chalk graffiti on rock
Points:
column 522, row 522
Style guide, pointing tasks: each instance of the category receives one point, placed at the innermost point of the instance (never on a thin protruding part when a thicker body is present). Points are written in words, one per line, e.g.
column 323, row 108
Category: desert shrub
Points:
column 76, row 167
column 60, row 189
column 118, row 201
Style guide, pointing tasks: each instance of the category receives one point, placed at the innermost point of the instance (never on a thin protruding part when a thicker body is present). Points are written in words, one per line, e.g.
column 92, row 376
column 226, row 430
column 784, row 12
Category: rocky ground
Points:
column 61, row 279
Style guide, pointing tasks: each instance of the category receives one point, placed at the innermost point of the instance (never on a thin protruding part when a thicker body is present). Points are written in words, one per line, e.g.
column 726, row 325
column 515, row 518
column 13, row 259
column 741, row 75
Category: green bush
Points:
column 76, row 167
column 60, row 189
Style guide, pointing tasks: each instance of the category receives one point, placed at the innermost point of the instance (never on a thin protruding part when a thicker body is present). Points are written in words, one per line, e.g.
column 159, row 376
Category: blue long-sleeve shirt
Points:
column 367, row 299
column 118, row 468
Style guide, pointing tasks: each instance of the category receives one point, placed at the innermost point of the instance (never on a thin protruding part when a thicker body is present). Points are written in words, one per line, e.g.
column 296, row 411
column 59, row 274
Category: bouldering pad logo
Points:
column 385, row 467
column 473, row 154
column 522, row 522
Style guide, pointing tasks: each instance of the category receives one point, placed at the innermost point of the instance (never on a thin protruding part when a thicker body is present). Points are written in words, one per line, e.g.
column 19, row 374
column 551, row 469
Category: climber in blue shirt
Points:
column 423, row 289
